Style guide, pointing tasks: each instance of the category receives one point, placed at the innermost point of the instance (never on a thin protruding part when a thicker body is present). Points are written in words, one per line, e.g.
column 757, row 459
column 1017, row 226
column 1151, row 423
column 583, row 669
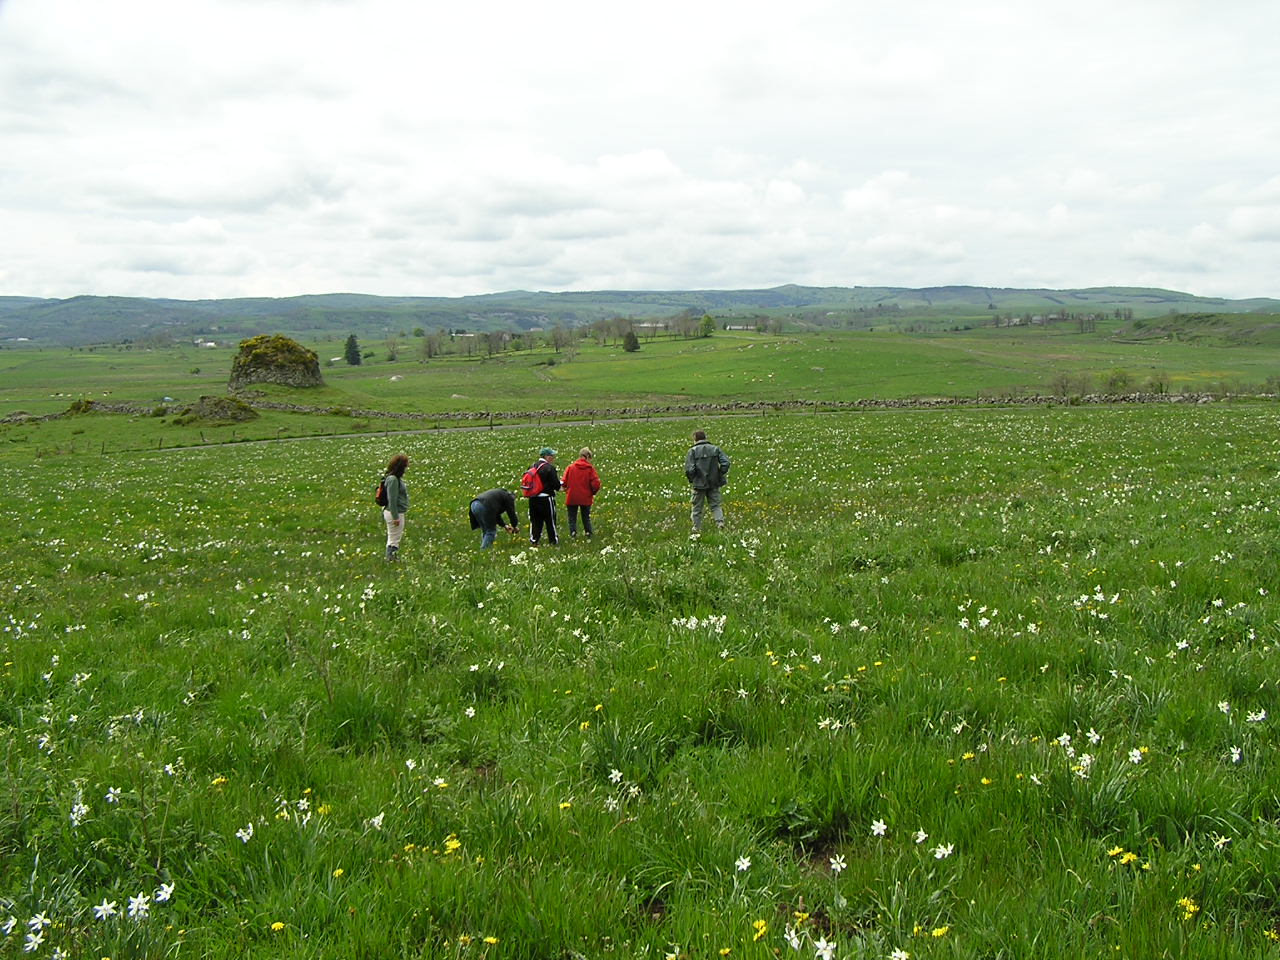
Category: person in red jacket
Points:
column 581, row 484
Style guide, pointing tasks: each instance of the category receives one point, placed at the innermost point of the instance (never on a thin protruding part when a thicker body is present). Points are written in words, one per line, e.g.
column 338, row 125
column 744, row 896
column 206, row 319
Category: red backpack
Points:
column 531, row 482
column 380, row 498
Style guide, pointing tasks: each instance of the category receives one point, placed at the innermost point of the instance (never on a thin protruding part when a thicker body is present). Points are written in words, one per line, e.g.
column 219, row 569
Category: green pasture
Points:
column 986, row 683
column 727, row 366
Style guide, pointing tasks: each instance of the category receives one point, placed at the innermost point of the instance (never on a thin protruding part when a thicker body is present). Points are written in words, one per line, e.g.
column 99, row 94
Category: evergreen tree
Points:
column 630, row 342
column 352, row 351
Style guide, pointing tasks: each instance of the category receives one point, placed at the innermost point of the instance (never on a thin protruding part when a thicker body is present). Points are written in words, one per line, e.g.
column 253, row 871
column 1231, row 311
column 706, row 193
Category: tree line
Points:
column 423, row 345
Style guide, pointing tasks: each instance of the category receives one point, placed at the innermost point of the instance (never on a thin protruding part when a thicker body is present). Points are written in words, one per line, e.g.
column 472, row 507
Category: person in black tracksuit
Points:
column 542, row 507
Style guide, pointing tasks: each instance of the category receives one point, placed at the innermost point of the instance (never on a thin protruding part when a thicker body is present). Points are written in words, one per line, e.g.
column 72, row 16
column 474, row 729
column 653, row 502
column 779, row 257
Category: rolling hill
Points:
column 95, row 319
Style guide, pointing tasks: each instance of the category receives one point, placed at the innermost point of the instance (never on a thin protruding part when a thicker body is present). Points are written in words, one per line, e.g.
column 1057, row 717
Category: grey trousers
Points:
column 703, row 499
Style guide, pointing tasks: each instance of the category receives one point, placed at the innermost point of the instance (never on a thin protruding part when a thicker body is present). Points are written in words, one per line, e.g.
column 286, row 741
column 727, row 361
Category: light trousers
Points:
column 394, row 530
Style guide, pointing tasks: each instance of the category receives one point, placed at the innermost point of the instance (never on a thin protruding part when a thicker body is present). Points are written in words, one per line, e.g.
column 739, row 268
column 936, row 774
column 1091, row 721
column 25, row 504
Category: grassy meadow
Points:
column 951, row 684
column 730, row 365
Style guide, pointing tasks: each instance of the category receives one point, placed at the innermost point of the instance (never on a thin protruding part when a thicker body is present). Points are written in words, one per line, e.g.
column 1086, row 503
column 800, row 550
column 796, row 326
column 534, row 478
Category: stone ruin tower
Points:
column 273, row 358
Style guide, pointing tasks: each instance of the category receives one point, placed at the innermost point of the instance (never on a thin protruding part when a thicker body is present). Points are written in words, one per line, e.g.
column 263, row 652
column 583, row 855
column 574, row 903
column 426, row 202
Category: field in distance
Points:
column 585, row 375
column 952, row 684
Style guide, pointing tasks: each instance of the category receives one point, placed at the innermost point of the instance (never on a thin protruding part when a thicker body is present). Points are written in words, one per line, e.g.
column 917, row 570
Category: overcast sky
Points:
column 221, row 148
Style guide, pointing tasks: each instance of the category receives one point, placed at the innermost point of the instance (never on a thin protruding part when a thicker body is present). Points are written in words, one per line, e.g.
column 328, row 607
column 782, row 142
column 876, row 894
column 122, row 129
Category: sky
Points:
column 227, row 148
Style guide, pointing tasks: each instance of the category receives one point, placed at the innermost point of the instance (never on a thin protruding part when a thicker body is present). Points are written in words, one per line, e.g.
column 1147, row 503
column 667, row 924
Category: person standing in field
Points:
column 581, row 484
column 542, row 505
column 707, row 469
column 487, row 509
column 397, row 502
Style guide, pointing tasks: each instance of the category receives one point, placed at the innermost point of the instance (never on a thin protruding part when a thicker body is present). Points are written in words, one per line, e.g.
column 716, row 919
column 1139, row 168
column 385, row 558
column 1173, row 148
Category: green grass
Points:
column 961, row 623
column 728, row 366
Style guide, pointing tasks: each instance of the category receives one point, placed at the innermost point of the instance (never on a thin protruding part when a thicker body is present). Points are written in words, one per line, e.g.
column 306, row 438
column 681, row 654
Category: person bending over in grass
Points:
column 487, row 509
column 581, row 484
column 397, row 502
column 707, row 468
column 542, row 505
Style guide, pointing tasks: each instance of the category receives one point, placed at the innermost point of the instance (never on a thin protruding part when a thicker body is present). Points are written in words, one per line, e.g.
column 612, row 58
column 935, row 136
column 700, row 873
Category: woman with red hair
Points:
column 397, row 502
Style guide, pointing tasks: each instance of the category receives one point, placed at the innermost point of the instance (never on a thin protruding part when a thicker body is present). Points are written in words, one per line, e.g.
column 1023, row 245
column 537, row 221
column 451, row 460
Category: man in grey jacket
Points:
column 707, row 468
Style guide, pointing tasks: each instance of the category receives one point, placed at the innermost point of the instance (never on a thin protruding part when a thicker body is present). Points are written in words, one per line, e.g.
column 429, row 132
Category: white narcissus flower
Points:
column 139, row 907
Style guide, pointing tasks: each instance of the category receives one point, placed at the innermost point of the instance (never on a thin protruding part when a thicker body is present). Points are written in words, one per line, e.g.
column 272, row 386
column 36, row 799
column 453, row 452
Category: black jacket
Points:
column 496, row 502
column 550, row 479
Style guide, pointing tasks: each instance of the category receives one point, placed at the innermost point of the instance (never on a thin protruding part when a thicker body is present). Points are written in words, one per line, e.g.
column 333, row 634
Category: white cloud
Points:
column 1255, row 222
column 274, row 147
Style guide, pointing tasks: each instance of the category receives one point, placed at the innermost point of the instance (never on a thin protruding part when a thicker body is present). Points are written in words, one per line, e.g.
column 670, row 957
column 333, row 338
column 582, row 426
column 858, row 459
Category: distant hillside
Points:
column 87, row 319
column 1248, row 329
